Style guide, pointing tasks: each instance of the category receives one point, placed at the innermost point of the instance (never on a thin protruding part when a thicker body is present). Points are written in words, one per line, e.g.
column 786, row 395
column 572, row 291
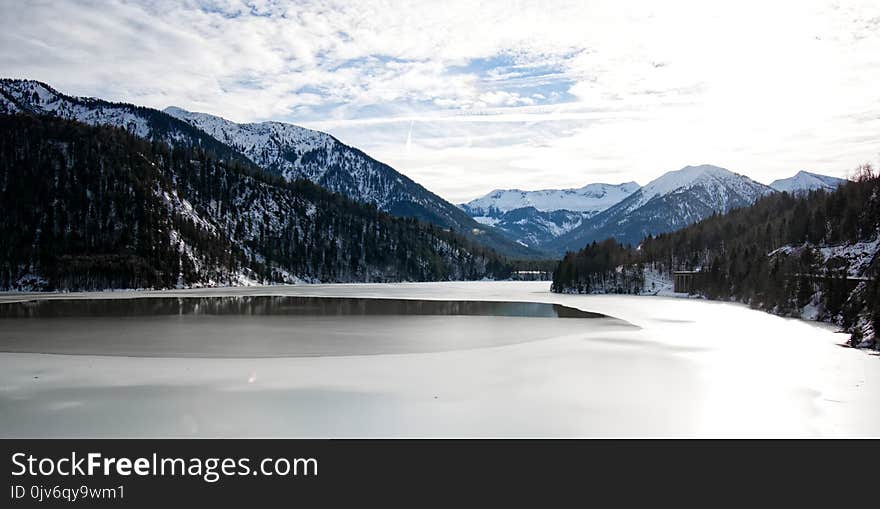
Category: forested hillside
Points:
column 812, row 255
column 88, row 207
column 280, row 149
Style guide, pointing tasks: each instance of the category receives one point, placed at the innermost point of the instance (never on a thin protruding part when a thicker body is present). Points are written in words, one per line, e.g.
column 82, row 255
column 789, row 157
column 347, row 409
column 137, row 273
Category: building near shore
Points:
column 686, row 281
column 531, row 275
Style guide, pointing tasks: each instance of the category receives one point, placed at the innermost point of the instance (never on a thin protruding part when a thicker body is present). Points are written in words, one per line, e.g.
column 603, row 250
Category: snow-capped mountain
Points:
column 591, row 198
column 804, row 181
column 284, row 149
column 672, row 201
column 278, row 147
column 299, row 153
column 29, row 96
column 535, row 218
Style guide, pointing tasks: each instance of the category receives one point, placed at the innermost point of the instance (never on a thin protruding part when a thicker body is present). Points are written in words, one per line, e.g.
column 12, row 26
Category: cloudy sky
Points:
column 466, row 97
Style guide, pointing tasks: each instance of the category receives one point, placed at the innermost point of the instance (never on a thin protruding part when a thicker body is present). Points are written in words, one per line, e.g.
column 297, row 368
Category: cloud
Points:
column 507, row 93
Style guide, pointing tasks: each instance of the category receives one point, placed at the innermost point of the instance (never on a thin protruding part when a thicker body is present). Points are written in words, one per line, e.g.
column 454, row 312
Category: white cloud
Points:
column 503, row 94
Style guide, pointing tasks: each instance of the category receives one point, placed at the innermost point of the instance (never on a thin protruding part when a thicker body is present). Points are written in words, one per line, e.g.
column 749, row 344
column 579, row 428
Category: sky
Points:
column 466, row 97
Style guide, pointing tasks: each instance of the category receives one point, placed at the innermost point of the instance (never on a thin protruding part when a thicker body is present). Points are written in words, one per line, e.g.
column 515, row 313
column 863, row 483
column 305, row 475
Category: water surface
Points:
column 279, row 326
column 281, row 305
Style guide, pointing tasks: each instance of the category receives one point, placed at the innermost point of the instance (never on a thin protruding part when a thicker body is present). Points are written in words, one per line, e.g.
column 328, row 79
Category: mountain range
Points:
column 563, row 220
column 287, row 150
column 672, row 201
column 514, row 223
column 535, row 218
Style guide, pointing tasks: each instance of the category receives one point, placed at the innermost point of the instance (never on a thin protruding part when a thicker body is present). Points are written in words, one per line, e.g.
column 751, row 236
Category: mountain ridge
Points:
column 673, row 200
column 589, row 198
column 327, row 162
column 38, row 98
column 558, row 227
column 297, row 152
column 534, row 218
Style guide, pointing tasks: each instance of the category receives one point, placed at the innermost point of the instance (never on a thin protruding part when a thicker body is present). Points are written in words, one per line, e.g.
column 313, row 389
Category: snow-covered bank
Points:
column 813, row 294
column 692, row 368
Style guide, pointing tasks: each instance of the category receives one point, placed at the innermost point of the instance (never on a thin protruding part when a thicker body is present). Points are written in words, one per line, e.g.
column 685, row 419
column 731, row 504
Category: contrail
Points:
column 409, row 136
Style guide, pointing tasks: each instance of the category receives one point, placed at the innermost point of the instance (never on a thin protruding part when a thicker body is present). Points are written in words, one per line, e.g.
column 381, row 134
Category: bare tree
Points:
column 863, row 173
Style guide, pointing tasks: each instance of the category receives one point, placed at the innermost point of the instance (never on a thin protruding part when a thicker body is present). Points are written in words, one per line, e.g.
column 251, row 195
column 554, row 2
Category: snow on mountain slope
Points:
column 29, row 96
column 804, row 181
column 674, row 200
column 36, row 97
column 535, row 228
column 590, row 198
column 274, row 146
column 296, row 152
column 721, row 186
column 299, row 153
column 284, row 149
column 534, row 218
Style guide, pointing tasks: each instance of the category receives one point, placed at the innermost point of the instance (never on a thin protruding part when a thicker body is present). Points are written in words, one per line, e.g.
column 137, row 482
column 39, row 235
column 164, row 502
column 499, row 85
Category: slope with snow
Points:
column 29, row 96
column 275, row 146
column 590, row 198
column 284, row 149
column 720, row 187
column 535, row 218
column 672, row 201
column 804, row 181
column 299, row 153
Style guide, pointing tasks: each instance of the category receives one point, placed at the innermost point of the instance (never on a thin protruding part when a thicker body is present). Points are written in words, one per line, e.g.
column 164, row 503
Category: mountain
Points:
column 591, row 198
column 86, row 208
column 298, row 153
column 34, row 97
column 283, row 149
column 535, row 218
column 805, row 181
column 672, row 201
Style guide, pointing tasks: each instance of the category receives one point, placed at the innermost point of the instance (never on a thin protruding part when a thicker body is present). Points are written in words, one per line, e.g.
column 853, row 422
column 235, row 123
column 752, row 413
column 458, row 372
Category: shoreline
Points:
column 303, row 289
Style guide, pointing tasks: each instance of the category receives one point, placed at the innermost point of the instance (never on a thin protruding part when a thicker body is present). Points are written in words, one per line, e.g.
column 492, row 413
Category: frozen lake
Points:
column 278, row 326
column 427, row 359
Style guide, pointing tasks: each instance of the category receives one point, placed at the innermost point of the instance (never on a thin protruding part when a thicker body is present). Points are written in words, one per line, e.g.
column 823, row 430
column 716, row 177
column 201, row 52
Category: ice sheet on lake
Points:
column 691, row 368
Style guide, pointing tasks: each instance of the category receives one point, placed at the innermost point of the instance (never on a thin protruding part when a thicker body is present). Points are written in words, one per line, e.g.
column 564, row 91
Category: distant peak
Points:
column 708, row 169
column 805, row 181
column 689, row 174
column 175, row 109
column 590, row 198
column 605, row 184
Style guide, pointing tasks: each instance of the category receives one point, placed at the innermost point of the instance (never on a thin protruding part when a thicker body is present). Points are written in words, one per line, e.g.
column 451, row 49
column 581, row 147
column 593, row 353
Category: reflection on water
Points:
column 276, row 326
column 273, row 305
